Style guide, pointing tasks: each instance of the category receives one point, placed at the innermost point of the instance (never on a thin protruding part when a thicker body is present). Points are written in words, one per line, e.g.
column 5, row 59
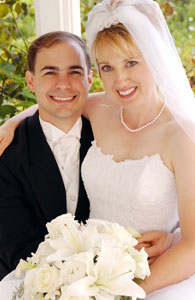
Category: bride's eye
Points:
column 131, row 63
column 106, row 68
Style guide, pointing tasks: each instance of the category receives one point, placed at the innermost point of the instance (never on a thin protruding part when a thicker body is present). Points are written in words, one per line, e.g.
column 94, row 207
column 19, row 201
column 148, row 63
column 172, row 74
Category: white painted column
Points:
column 53, row 15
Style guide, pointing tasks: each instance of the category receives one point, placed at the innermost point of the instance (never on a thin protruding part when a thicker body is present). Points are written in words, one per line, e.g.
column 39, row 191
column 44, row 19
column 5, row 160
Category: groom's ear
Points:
column 29, row 76
column 90, row 78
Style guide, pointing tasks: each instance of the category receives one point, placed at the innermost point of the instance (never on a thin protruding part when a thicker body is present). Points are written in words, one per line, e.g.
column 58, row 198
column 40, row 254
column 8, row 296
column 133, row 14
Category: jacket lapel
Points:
column 43, row 173
column 82, row 211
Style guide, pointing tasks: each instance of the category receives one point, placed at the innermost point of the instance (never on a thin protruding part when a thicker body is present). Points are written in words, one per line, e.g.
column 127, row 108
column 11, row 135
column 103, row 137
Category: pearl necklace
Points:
column 144, row 126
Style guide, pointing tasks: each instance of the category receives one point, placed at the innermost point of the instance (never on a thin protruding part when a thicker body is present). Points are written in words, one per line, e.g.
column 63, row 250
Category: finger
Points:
column 142, row 245
column 152, row 259
column 155, row 250
column 4, row 143
column 2, row 148
column 147, row 236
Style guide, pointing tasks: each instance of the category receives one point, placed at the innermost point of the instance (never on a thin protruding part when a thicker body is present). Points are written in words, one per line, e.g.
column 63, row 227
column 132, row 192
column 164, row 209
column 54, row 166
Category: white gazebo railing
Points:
column 52, row 15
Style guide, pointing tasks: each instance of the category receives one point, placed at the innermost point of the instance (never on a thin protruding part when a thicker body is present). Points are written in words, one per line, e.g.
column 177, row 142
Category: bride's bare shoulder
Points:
column 181, row 145
column 93, row 102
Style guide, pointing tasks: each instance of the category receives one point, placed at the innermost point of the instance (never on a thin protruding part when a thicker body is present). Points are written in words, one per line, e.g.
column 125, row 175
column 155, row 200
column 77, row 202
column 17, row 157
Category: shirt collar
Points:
column 53, row 134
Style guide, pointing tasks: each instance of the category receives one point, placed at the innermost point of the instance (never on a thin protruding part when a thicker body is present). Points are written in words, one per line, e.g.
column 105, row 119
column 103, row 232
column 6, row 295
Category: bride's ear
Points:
column 30, row 80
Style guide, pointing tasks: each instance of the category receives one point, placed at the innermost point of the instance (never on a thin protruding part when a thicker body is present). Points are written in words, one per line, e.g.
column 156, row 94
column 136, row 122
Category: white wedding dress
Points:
column 135, row 193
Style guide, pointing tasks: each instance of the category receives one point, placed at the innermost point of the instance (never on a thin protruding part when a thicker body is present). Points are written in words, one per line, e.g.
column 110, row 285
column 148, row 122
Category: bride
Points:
column 141, row 164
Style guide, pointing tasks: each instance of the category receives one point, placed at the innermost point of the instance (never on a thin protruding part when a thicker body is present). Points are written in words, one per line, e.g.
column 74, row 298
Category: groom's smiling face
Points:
column 60, row 81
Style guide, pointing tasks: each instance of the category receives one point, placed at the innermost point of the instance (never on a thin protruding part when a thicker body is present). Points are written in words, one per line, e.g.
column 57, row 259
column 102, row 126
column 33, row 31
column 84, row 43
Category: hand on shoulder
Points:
column 6, row 135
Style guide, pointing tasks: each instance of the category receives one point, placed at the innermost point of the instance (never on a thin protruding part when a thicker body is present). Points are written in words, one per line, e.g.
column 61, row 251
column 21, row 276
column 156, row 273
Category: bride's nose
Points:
column 121, row 77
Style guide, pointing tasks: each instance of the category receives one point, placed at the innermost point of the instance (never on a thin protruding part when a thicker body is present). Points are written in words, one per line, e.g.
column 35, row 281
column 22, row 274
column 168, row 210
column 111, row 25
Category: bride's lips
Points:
column 125, row 93
column 64, row 99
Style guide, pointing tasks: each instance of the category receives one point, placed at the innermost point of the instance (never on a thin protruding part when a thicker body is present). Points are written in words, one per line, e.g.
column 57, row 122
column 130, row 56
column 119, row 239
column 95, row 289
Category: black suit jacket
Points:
column 32, row 192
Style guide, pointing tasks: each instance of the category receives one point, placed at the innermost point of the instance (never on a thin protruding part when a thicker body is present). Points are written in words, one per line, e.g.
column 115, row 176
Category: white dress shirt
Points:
column 65, row 147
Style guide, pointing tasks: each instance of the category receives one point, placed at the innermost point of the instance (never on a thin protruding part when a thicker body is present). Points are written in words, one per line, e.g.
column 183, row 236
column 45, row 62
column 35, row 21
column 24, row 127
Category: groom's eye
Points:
column 50, row 73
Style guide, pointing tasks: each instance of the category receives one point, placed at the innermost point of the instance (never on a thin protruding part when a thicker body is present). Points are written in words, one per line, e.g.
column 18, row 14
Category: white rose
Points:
column 46, row 279
column 65, row 296
column 113, row 231
column 72, row 271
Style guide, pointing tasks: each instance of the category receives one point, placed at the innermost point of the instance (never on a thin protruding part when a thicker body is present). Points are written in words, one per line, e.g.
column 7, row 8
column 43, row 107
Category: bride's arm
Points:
column 178, row 262
column 8, row 128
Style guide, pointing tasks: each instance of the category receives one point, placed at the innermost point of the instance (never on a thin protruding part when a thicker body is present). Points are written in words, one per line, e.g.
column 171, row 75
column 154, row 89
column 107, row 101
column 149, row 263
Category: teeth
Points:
column 63, row 99
column 125, row 93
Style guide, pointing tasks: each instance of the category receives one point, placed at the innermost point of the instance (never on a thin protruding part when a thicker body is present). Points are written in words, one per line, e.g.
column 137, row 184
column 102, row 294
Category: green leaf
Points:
column 28, row 94
column 25, row 8
column 4, row 10
column 25, row 104
column 6, row 109
column 12, row 89
column 11, row 2
column 18, row 8
column 20, row 80
column 7, row 66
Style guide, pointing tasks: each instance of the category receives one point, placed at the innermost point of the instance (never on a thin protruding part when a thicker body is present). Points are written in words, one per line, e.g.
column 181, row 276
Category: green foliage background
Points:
column 17, row 30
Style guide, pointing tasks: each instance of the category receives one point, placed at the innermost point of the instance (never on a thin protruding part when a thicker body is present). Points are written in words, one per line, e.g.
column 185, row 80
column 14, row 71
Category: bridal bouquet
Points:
column 83, row 262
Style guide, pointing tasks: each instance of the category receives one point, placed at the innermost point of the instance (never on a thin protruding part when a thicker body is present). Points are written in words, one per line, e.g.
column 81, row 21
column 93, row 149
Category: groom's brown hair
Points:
column 49, row 39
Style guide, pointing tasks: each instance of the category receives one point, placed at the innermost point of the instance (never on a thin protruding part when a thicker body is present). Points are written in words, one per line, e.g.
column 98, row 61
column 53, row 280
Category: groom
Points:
column 40, row 171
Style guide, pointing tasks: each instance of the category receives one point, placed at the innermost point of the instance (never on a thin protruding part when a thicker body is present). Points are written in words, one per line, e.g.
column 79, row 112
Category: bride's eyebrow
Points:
column 103, row 63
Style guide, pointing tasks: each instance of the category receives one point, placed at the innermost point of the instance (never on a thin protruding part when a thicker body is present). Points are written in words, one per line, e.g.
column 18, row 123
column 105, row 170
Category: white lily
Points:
column 56, row 226
column 66, row 235
column 111, row 275
column 44, row 249
column 141, row 258
column 23, row 265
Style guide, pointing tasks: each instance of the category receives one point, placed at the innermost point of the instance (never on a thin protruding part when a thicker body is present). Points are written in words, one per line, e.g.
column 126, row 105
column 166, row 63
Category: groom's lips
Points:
column 61, row 99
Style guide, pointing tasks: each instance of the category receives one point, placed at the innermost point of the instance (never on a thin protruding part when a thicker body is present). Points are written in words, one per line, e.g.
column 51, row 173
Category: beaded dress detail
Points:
column 135, row 193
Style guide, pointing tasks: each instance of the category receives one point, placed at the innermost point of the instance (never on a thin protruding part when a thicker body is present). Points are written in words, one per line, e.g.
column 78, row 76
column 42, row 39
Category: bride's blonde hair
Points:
column 116, row 37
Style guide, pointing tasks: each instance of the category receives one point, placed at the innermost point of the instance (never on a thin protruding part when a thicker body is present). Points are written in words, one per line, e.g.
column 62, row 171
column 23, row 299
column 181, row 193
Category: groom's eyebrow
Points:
column 53, row 68
column 76, row 67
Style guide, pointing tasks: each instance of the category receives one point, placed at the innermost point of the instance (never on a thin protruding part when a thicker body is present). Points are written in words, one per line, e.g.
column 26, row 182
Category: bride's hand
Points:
column 6, row 135
column 8, row 128
column 154, row 244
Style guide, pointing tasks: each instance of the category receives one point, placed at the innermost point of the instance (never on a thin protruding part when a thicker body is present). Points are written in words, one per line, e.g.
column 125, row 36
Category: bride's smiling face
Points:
column 122, row 68
column 126, row 78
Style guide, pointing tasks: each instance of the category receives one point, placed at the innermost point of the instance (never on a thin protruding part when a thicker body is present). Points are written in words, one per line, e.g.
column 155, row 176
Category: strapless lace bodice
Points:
column 135, row 193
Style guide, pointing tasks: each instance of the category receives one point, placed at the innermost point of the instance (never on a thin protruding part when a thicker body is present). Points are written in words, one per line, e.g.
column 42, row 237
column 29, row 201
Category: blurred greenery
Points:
column 17, row 30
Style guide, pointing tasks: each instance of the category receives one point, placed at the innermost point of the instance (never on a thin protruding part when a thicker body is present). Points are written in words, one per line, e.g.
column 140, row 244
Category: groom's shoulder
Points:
column 87, row 132
column 20, row 142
